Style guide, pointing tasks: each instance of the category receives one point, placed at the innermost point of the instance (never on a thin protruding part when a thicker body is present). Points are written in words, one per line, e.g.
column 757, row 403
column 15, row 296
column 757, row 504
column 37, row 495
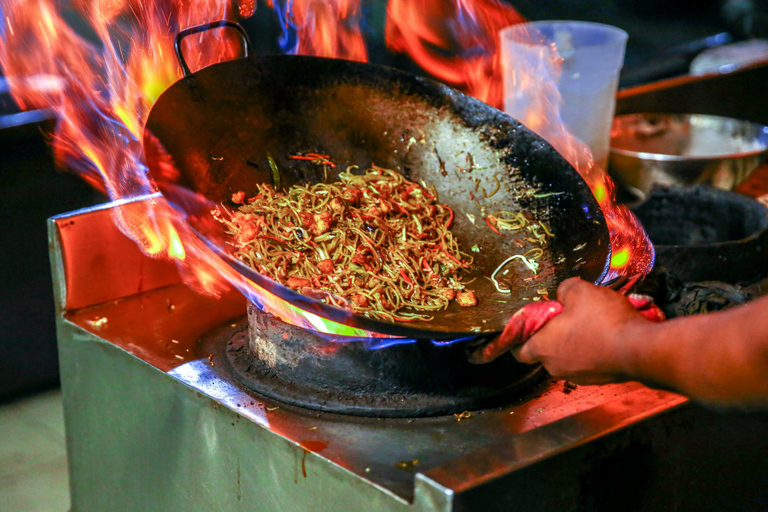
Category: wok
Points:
column 220, row 123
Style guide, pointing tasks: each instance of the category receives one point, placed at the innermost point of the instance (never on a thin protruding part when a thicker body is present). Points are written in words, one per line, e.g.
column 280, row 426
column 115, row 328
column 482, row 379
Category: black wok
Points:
column 220, row 123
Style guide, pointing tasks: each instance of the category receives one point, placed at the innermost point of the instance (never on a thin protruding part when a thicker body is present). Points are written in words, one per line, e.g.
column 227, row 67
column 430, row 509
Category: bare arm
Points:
column 718, row 357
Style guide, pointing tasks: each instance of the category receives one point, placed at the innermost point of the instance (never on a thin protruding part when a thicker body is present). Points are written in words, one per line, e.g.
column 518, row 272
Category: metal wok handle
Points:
column 203, row 28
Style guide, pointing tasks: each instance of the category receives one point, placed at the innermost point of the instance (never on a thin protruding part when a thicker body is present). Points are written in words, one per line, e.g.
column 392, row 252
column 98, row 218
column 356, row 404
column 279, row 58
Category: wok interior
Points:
column 220, row 125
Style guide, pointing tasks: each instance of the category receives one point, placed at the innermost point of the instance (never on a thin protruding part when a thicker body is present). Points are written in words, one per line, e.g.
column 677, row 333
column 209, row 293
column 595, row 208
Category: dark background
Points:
column 33, row 189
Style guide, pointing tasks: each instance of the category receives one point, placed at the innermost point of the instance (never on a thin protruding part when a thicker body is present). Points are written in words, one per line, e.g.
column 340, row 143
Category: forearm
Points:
column 719, row 357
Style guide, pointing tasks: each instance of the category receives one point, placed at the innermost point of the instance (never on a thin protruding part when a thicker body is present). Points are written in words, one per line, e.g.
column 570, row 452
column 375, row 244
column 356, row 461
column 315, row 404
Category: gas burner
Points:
column 407, row 378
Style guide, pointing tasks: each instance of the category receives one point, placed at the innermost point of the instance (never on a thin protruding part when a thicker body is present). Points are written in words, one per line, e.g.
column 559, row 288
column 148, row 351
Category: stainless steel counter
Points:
column 153, row 424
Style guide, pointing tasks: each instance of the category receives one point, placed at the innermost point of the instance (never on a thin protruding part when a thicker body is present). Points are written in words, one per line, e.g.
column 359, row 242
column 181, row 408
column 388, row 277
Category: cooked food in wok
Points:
column 373, row 242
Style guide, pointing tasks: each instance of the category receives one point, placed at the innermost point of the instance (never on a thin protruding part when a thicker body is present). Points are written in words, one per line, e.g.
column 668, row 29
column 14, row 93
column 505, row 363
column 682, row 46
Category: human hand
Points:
column 581, row 337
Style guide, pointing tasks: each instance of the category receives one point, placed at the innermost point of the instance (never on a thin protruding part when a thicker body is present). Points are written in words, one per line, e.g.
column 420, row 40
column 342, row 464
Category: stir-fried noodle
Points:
column 374, row 242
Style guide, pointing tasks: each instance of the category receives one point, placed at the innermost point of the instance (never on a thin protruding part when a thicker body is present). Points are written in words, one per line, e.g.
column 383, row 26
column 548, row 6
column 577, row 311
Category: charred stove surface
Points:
column 419, row 378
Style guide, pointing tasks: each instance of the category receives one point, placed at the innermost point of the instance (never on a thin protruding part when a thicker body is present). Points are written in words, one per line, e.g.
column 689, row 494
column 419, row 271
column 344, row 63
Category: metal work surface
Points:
column 180, row 434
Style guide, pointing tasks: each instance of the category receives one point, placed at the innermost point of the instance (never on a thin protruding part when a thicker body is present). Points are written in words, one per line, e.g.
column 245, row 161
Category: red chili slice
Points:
column 314, row 157
column 450, row 256
column 493, row 228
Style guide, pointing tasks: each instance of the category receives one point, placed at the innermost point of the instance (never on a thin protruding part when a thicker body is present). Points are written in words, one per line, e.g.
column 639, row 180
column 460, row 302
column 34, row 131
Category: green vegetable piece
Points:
column 275, row 172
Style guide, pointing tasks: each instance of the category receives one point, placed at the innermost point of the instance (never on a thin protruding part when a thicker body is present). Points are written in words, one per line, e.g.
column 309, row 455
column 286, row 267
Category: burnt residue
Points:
column 677, row 298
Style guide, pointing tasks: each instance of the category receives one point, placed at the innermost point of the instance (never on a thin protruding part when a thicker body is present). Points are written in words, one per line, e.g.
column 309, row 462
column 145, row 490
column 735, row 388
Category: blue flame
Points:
column 289, row 39
column 379, row 343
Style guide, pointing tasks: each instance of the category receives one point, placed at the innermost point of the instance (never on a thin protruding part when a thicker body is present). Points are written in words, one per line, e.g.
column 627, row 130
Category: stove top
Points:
column 141, row 391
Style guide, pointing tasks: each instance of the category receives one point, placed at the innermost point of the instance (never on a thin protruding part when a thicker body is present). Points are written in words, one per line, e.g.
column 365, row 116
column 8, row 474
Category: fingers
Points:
column 588, row 311
column 583, row 342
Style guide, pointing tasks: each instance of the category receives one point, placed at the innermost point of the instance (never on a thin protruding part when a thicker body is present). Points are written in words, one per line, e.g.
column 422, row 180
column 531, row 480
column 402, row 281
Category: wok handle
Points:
column 203, row 28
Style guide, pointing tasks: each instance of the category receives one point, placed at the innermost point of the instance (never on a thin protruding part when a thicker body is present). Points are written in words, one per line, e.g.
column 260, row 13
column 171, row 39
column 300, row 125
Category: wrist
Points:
column 633, row 342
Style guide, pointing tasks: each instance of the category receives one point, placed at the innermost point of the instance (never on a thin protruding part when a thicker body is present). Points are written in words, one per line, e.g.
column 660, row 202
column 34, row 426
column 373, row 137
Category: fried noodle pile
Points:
column 373, row 242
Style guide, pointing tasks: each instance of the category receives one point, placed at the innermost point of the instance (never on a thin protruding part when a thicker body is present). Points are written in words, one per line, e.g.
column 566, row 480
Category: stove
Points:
column 156, row 419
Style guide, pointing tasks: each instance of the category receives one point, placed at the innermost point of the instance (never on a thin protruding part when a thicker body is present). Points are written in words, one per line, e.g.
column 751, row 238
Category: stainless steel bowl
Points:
column 684, row 149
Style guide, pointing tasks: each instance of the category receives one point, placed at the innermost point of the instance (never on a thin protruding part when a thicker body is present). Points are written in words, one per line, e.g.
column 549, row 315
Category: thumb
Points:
column 525, row 354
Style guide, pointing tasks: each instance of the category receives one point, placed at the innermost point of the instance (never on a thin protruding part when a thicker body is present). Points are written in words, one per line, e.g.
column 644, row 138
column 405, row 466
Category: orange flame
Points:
column 455, row 41
column 102, row 95
column 329, row 29
column 631, row 250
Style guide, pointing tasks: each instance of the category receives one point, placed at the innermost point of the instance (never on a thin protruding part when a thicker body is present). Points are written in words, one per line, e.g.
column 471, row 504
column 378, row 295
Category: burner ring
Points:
column 411, row 380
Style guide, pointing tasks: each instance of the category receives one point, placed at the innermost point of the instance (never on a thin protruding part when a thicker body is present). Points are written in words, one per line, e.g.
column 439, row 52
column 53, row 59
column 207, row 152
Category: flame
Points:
column 323, row 28
column 455, row 41
column 102, row 96
column 535, row 83
column 102, row 93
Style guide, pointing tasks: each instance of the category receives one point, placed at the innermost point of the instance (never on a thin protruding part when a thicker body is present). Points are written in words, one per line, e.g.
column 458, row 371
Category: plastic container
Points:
column 586, row 75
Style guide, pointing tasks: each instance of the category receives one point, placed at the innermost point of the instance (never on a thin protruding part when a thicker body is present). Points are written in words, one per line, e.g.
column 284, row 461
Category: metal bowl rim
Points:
column 663, row 157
